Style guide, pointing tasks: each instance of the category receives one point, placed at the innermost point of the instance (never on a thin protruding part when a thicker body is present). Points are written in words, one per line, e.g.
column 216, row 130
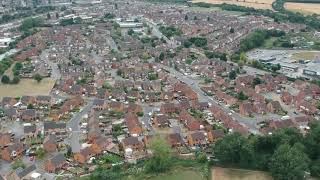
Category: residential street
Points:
column 194, row 84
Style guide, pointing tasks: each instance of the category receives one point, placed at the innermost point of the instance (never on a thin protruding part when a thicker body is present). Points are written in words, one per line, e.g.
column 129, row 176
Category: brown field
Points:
column 307, row 8
column 307, row 55
column 27, row 87
column 258, row 4
column 238, row 174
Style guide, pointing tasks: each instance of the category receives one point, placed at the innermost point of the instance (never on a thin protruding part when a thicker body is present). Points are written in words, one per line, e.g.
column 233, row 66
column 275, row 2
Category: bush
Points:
column 5, row 79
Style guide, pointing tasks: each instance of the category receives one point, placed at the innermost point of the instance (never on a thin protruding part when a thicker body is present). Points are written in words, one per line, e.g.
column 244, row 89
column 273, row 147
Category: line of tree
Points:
column 170, row 31
column 257, row 39
column 286, row 153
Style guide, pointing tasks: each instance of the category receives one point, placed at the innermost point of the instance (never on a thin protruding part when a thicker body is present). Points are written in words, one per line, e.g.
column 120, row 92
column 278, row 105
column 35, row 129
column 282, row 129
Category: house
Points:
column 13, row 151
column 133, row 124
column 161, row 121
column 307, row 107
column 116, row 106
column 214, row 135
column 274, row 107
column 26, row 100
column 29, row 115
column 196, row 138
column 193, row 124
column 246, row 109
column 44, row 101
column 50, row 143
column 168, row 108
column 11, row 113
column 282, row 124
column 134, row 108
column 175, row 140
column 101, row 144
column 132, row 143
column 57, row 128
column 54, row 164
column 30, row 131
column 84, row 155
column 22, row 173
column 8, row 102
column 259, row 107
column 99, row 104
column 287, row 98
column 5, row 139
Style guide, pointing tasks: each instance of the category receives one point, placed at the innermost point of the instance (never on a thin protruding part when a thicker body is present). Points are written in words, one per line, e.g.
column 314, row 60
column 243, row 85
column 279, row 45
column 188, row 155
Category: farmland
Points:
column 238, row 174
column 27, row 87
column 259, row 4
column 306, row 8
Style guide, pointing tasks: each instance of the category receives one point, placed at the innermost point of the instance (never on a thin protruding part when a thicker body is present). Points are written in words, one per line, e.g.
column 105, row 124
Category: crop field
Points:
column 238, row 174
column 27, row 87
column 307, row 8
column 258, row 4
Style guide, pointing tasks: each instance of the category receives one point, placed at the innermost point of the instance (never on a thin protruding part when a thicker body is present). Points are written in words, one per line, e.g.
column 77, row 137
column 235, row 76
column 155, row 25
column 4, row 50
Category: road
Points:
column 194, row 84
column 9, row 53
column 156, row 32
column 146, row 119
column 73, row 125
column 55, row 72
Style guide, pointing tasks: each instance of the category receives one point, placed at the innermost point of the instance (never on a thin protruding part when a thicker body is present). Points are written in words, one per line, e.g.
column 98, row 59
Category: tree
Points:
column 231, row 30
column 5, row 79
column 40, row 153
column 48, row 16
column 242, row 96
column 234, row 149
column 243, row 57
column 186, row 17
column 161, row 56
column 232, row 74
column 256, row 81
column 30, row 106
column 289, row 163
column 38, row 78
column 130, row 32
column 276, row 67
column 18, row 164
column 161, row 159
column 15, row 80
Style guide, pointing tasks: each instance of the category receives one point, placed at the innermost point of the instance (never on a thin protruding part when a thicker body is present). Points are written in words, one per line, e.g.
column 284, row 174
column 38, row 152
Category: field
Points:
column 176, row 174
column 27, row 87
column 307, row 8
column 238, row 174
column 308, row 55
column 258, row 4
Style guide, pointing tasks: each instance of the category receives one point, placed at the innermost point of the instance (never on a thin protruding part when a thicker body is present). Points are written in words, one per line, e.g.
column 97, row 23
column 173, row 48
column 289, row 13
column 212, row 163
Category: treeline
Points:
column 286, row 153
column 170, row 31
column 257, row 39
column 281, row 16
column 8, row 17
column 169, row 1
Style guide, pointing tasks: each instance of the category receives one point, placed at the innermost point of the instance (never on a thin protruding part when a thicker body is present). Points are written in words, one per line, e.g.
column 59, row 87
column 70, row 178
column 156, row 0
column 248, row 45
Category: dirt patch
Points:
column 307, row 8
column 27, row 87
column 258, row 4
column 238, row 174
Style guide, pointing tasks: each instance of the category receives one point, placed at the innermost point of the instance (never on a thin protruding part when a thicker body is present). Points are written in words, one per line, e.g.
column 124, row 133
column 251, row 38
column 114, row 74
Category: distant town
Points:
column 150, row 89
